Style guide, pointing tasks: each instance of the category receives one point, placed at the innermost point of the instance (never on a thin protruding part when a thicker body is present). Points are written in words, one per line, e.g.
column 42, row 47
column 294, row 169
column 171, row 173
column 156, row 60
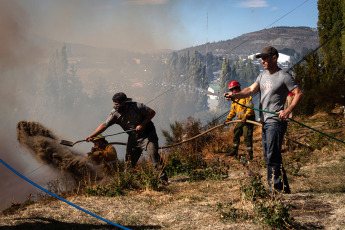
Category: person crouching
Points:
column 103, row 153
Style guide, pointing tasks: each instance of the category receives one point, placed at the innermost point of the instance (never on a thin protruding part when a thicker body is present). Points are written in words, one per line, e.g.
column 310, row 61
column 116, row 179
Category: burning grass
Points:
column 44, row 146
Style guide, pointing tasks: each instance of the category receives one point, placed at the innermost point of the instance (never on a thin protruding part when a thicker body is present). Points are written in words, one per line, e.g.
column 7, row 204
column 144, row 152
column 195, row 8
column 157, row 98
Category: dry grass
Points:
column 317, row 196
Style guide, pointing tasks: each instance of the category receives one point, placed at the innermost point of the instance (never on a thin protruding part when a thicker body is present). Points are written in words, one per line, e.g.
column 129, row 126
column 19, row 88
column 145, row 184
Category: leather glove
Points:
column 244, row 119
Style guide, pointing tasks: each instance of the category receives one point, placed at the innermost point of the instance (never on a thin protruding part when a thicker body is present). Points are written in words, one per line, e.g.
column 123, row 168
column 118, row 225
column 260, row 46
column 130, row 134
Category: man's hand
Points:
column 227, row 120
column 284, row 114
column 228, row 96
column 89, row 138
column 139, row 127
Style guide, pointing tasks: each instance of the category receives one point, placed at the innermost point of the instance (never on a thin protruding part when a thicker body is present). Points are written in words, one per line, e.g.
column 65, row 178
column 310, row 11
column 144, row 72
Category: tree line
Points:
column 321, row 76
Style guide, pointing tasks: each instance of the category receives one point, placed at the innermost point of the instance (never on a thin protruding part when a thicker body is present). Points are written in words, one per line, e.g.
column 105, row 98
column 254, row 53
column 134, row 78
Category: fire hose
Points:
column 261, row 110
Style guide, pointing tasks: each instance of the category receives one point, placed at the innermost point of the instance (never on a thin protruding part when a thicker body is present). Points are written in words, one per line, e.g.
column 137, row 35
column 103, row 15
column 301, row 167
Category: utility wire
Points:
column 301, row 60
column 238, row 45
column 271, row 24
column 222, row 116
column 313, row 51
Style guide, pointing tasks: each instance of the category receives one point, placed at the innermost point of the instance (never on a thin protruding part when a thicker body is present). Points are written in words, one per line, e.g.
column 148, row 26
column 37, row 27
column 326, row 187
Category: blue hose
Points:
column 56, row 196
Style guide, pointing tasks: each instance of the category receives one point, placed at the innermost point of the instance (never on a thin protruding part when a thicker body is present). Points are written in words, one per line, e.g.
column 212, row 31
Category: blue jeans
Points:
column 272, row 140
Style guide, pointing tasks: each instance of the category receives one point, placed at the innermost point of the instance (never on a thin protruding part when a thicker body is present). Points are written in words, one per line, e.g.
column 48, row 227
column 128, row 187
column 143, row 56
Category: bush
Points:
column 144, row 177
column 214, row 170
column 275, row 215
column 147, row 177
column 228, row 212
column 267, row 209
column 180, row 164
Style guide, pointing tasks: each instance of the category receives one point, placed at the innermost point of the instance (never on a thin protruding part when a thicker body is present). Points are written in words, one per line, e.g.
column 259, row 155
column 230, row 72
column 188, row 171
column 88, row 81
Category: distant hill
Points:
column 295, row 38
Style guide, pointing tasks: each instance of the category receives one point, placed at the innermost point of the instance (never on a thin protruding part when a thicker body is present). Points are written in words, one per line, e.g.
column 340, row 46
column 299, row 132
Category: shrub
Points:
column 175, row 165
column 144, row 177
column 230, row 213
column 147, row 177
column 120, row 182
column 268, row 209
column 214, row 170
column 179, row 163
column 275, row 215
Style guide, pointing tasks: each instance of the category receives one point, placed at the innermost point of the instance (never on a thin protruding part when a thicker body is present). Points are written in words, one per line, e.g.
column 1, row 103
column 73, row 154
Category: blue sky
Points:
column 159, row 24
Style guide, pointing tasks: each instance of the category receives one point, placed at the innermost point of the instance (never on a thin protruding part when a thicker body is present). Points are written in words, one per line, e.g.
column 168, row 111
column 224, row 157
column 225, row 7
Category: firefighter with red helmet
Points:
column 243, row 128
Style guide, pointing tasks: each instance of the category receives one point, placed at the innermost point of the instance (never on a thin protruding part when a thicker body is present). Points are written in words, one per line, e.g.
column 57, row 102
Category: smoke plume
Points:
column 17, row 54
column 44, row 147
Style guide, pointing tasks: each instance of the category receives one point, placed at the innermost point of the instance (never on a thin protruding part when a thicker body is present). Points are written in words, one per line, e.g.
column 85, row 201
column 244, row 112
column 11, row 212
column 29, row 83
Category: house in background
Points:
column 213, row 96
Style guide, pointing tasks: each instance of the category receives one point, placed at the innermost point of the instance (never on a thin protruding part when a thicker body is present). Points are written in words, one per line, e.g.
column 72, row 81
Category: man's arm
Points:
column 297, row 98
column 150, row 114
column 246, row 92
column 99, row 130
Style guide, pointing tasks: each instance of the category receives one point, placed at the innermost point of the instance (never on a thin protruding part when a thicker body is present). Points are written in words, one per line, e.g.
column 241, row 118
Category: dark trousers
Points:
column 135, row 149
column 245, row 129
column 272, row 140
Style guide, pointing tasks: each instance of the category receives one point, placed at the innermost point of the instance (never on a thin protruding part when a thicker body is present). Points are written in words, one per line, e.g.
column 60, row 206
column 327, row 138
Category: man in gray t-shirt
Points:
column 274, row 89
column 274, row 86
column 135, row 116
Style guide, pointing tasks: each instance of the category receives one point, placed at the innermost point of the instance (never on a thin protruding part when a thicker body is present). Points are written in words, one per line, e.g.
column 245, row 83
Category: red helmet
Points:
column 233, row 84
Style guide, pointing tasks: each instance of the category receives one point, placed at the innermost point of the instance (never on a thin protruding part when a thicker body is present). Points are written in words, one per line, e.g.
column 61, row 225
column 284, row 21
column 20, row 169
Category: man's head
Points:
column 234, row 86
column 268, row 51
column 120, row 99
column 269, row 56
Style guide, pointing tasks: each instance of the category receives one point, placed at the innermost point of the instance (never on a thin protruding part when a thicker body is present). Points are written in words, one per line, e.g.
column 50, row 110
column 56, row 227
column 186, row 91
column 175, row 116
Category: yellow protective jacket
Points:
column 105, row 155
column 239, row 110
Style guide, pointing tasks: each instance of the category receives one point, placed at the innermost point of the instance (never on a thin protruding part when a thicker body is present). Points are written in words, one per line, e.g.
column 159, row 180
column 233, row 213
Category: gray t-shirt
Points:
column 130, row 118
column 274, row 89
column 133, row 116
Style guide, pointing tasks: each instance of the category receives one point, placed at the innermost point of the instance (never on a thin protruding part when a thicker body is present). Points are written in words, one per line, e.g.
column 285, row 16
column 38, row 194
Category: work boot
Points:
column 233, row 152
column 250, row 155
column 164, row 179
column 249, row 152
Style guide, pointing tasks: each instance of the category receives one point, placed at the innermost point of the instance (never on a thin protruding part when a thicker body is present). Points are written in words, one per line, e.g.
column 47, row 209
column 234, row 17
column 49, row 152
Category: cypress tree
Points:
column 331, row 20
column 225, row 78
column 331, row 29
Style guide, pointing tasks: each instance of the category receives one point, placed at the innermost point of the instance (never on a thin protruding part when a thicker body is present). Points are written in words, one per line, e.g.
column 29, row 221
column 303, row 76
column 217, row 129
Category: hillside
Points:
column 109, row 65
column 315, row 173
column 295, row 38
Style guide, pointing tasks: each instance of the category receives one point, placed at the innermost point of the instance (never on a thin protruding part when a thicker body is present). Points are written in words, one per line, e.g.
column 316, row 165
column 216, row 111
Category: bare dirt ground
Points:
column 317, row 197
